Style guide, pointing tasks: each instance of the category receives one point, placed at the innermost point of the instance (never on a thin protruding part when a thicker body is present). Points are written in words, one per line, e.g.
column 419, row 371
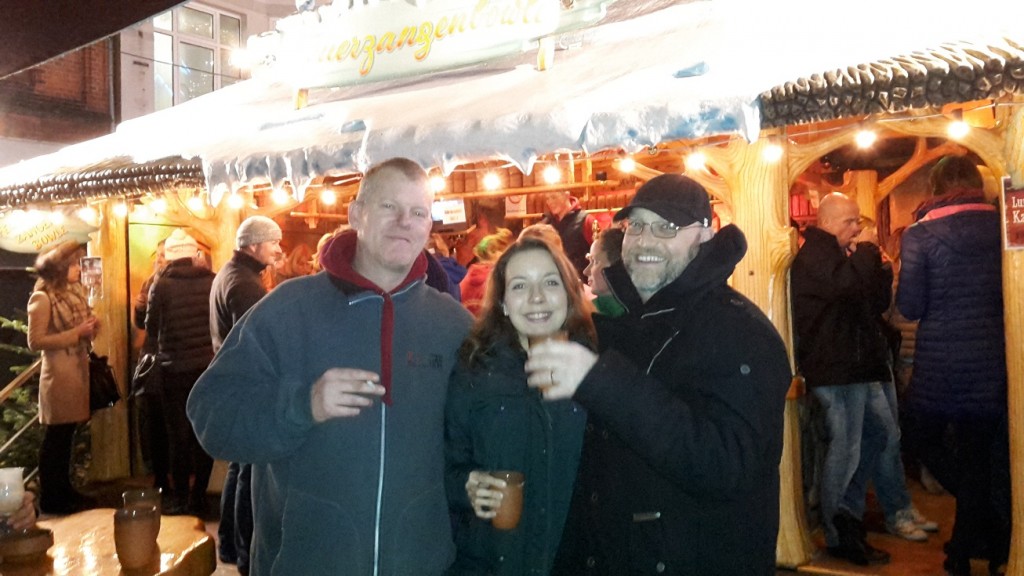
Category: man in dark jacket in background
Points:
column 177, row 319
column 840, row 289
column 237, row 287
column 680, row 466
column 574, row 226
column 951, row 280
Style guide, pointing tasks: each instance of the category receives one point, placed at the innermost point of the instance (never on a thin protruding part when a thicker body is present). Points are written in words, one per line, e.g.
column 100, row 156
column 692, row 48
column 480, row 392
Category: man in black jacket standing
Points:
column 679, row 471
column 237, row 287
column 574, row 226
column 840, row 288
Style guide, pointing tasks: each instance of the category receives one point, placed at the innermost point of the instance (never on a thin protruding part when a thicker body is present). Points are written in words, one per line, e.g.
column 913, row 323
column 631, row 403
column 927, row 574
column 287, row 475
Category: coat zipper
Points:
column 380, row 492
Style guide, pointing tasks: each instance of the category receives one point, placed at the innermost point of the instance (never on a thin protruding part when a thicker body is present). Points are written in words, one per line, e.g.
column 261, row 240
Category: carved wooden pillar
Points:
column 1013, row 302
column 109, row 428
column 861, row 185
column 757, row 191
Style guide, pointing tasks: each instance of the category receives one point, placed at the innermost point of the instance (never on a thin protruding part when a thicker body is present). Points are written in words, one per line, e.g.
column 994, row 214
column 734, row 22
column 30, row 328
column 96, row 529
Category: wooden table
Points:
column 83, row 545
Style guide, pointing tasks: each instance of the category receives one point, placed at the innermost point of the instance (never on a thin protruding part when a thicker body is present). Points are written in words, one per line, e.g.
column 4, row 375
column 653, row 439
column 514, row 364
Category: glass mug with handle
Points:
column 12, row 493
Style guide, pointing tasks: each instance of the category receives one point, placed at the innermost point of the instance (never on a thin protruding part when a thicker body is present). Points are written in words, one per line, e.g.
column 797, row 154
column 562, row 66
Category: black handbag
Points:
column 103, row 392
column 146, row 378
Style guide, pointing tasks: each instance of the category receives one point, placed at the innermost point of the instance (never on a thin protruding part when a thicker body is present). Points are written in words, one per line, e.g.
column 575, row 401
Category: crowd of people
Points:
column 366, row 409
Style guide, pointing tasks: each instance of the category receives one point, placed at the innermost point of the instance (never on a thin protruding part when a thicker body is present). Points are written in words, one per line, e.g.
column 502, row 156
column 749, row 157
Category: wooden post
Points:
column 109, row 428
column 1013, row 302
column 757, row 191
column 860, row 185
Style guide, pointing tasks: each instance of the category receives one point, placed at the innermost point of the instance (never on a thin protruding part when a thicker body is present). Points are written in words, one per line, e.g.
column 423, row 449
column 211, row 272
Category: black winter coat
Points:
column 680, row 466
column 951, row 279
column 838, row 301
column 236, row 288
column 178, row 316
column 494, row 421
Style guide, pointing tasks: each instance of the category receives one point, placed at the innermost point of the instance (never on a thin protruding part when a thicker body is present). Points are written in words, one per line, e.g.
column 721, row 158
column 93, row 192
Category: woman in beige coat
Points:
column 61, row 326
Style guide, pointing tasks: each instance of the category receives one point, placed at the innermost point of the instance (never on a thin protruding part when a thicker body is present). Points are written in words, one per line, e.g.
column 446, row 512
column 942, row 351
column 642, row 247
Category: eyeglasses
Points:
column 661, row 229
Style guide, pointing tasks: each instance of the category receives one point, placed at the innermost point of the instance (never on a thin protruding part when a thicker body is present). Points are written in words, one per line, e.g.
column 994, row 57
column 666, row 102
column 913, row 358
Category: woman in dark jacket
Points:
column 178, row 320
column 494, row 421
column 951, row 280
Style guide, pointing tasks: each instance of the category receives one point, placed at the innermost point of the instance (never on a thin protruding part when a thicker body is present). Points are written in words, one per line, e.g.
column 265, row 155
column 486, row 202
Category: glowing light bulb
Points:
column 772, row 153
column 194, row 203
column 279, row 196
column 865, row 138
column 235, row 201
column 696, row 161
column 141, row 211
column 437, row 184
column 86, row 213
column 627, row 165
column 492, row 181
column 120, row 209
column 328, row 197
column 552, row 174
column 56, row 217
column 158, row 205
column 958, row 129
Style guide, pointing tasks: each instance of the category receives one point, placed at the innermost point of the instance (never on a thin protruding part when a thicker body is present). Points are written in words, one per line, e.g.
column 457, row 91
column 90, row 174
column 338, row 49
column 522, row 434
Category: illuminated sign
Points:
column 337, row 45
column 34, row 232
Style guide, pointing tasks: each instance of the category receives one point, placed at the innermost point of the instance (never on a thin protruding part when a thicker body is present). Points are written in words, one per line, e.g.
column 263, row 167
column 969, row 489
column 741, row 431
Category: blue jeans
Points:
column 887, row 474
column 859, row 424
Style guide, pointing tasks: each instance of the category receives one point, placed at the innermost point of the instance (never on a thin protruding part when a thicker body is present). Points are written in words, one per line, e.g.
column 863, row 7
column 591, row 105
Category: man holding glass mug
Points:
column 679, row 472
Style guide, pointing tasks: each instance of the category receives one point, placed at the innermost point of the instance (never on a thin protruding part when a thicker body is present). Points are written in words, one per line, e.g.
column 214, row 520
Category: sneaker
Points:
column 904, row 527
column 922, row 522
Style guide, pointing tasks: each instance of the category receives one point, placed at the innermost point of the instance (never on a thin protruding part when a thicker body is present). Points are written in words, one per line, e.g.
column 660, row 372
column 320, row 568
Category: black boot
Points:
column 853, row 545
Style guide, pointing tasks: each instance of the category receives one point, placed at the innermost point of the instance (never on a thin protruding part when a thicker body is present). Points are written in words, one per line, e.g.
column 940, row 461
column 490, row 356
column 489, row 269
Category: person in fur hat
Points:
column 61, row 326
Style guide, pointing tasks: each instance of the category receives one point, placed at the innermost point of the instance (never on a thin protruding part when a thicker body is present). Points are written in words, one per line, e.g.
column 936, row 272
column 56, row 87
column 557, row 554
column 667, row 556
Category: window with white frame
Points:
column 192, row 47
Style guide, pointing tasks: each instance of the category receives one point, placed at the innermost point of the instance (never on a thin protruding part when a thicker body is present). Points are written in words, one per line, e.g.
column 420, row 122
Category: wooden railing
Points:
column 19, row 381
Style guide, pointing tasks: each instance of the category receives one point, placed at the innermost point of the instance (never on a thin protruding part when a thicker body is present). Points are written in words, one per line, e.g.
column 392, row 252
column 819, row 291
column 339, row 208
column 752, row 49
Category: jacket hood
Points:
column 338, row 253
column 714, row 263
column 951, row 224
column 957, row 196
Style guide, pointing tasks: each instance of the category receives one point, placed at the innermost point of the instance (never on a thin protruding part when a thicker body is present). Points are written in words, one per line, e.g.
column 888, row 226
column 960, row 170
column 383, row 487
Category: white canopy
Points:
column 684, row 71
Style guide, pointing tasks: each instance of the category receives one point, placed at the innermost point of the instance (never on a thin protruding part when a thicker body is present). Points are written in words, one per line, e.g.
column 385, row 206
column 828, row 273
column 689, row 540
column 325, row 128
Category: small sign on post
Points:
column 1013, row 206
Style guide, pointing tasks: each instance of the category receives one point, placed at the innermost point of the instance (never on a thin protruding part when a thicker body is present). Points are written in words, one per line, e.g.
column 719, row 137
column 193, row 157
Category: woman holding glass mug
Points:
column 61, row 326
column 494, row 421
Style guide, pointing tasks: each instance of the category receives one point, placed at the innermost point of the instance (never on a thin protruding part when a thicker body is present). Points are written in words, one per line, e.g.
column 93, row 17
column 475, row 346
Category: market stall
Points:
column 665, row 85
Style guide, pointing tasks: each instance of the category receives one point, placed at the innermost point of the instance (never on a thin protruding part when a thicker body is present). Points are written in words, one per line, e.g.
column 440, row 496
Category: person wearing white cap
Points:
column 237, row 287
column 177, row 317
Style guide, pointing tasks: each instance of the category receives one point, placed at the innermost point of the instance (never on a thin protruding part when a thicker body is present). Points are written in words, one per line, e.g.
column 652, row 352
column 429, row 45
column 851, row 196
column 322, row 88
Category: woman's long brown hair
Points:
column 493, row 327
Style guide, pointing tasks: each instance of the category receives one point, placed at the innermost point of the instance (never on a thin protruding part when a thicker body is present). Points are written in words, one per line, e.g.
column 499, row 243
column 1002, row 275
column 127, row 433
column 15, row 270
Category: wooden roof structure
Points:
column 956, row 72
column 921, row 80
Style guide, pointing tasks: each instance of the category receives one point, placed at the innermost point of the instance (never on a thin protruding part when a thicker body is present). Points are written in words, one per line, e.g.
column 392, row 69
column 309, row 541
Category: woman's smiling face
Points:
column 535, row 298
